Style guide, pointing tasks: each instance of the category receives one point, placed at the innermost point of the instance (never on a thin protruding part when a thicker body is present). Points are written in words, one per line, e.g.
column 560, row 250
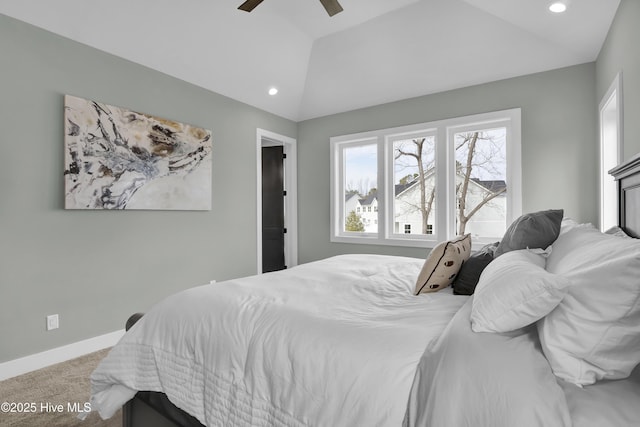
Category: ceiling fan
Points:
column 332, row 6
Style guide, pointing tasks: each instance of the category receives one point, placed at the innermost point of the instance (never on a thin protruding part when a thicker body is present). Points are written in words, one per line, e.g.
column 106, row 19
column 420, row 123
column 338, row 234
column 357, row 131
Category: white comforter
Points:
column 469, row 379
column 330, row 343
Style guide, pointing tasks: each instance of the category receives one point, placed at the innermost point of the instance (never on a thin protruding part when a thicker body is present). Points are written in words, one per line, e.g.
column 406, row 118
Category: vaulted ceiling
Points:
column 373, row 52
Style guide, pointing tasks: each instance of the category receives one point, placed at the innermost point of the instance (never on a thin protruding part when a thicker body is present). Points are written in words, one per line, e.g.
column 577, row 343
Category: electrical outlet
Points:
column 52, row 322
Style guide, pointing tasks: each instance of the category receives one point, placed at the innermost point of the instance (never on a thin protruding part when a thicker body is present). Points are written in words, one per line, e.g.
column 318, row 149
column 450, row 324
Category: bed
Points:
column 345, row 341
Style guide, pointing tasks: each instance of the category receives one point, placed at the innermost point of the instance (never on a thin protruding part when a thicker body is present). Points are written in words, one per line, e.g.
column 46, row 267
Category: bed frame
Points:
column 628, row 177
column 152, row 409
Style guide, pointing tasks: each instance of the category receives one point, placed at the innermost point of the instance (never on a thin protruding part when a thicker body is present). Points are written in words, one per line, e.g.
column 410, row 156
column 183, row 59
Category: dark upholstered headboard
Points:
column 628, row 177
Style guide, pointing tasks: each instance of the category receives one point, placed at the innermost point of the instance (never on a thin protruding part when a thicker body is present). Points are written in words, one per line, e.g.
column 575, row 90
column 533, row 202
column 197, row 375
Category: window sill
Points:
column 374, row 240
column 476, row 244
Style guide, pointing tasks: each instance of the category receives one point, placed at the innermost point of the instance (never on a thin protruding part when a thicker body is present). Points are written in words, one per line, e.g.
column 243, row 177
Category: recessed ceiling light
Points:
column 273, row 91
column 558, row 7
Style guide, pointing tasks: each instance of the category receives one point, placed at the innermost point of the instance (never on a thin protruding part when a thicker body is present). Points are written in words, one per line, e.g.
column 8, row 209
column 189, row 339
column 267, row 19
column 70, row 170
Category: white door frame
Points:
column 610, row 115
column 265, row 138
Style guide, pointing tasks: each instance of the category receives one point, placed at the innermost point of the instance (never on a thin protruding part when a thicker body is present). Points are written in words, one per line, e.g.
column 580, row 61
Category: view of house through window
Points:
column 360, row 194
column 414, row 188
column 440, row 179
column 481, row 187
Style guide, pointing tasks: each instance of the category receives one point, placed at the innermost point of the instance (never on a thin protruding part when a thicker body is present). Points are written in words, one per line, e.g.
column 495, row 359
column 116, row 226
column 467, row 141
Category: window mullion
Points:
column 341, row 177
column 387, row 217
column 445, row 186
column 381, row 188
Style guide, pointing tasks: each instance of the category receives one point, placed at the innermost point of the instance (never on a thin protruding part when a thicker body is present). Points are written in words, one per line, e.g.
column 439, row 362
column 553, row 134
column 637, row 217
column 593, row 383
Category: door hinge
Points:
column 284, row 193
column 284, row 231
column 284, row 155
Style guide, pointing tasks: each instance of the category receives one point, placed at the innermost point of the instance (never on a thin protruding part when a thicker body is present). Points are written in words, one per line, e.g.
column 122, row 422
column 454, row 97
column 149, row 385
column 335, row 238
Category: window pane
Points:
column 414, row 185
column 360, row 192
column 481, row 186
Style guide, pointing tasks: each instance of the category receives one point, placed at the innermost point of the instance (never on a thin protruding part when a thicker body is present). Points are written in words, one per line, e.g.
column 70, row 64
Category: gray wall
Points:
column 621, row 52
column 96, row 268
column 559, row 147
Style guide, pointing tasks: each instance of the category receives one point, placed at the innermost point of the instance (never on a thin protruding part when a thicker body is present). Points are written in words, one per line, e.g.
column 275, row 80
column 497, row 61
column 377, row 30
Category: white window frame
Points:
column 445, row 177
column 514, row 198
column 410, row 132
column 338, row 177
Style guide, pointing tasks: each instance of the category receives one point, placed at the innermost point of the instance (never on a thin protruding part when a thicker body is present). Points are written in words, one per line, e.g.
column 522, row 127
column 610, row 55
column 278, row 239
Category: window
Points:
column 428, row 182
column 414, row 179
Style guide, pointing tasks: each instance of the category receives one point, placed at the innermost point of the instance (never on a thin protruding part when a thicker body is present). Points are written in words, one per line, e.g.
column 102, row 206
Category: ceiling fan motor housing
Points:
column 331, row 6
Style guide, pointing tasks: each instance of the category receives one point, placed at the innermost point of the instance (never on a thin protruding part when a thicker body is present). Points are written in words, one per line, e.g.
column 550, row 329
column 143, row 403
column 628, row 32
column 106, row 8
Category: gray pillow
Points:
column 532, row 230
column 467, row 279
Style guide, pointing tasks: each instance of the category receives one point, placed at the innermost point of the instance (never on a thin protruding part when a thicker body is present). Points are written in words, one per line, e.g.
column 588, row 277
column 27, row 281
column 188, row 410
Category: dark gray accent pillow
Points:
column 467, row 278
column 532, row 230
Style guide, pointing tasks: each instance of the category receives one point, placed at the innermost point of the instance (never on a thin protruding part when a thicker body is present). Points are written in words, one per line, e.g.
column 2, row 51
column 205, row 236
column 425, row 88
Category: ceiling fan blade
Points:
column 249, row 5
column 332, row 6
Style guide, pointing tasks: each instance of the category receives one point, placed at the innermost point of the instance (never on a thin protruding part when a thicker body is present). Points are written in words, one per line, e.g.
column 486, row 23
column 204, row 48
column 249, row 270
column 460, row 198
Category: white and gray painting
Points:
column 120, row 159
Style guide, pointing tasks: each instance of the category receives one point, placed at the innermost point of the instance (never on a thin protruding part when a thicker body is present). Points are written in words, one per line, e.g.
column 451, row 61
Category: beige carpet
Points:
column 63, row 384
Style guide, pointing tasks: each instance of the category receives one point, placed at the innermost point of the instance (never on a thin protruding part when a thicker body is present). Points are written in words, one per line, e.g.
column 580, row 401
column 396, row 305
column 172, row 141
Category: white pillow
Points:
column 569, row 224
column 594, row 333
column 514, row 291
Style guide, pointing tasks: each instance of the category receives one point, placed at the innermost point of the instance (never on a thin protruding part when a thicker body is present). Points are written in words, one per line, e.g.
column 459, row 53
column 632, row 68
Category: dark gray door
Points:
column 273, row 194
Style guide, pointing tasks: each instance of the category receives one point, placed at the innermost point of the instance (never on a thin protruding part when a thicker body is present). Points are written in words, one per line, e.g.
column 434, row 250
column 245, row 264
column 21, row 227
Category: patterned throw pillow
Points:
column 443, row 264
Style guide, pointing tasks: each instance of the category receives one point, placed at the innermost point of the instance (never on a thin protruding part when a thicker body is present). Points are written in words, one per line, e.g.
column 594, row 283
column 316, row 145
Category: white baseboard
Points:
column 36, row 361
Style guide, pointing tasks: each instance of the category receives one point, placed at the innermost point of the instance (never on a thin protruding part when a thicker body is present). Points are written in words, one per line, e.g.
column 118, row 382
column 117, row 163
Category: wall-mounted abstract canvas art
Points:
column 120, row 159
